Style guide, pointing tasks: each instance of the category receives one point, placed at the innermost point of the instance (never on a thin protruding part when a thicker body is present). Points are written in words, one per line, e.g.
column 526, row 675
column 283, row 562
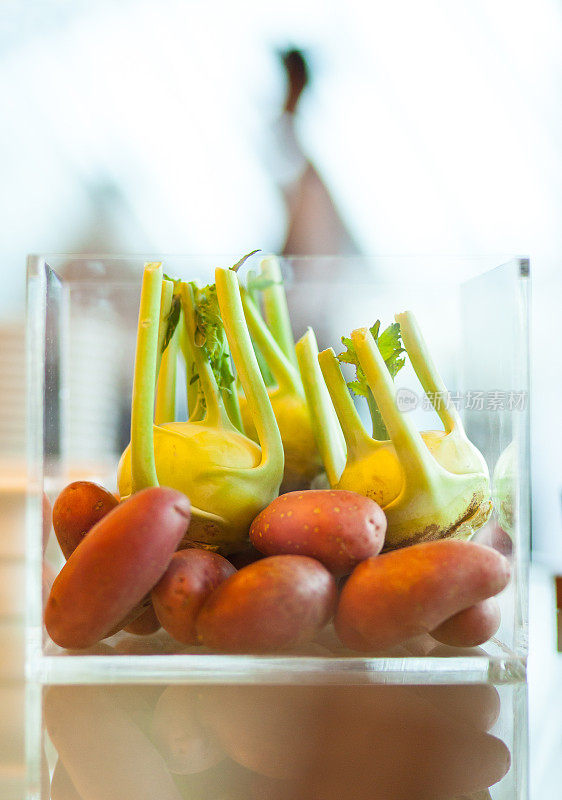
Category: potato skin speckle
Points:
column 77, row 509
column 347, row 529
column 181, row 592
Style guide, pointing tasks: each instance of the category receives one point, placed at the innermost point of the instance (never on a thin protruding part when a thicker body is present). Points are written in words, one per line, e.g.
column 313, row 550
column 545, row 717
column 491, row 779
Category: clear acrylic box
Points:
column 82, row 316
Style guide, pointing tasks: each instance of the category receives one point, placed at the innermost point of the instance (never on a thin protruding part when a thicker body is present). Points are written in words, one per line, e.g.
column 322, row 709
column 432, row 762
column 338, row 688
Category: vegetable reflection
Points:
column 306, row 743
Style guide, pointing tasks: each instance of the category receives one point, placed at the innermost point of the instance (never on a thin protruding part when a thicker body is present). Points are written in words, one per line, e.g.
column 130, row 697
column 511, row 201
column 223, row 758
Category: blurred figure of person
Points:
column 314, row 225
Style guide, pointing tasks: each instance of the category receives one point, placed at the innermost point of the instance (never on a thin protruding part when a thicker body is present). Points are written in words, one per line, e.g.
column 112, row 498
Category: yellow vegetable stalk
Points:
column 431, row 485
column 273, row 339
column 228, row 477
column 434, row 502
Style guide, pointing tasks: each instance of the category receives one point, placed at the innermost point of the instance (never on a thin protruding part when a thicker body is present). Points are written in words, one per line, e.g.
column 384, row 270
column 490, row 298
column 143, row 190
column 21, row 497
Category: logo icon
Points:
column 406, row 399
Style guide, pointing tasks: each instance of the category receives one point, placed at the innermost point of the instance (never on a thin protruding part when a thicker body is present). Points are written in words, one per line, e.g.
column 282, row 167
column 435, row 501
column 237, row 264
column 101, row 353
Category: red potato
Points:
column 145, row 624
column 338, row 528
column 77, row 509
column 120, row 560
column 179, row 595
column 130, row 618
column 470, row 627
column 272, row 604
column 404, row 593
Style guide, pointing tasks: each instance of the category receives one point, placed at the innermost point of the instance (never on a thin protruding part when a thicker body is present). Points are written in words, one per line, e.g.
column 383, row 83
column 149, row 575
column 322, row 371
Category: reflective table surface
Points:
column 375, row 742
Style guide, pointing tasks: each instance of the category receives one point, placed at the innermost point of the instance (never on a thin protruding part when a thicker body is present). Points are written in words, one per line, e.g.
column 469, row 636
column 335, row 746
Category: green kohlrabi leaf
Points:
column 210, row 335
column 390, row 347
column 389, row 343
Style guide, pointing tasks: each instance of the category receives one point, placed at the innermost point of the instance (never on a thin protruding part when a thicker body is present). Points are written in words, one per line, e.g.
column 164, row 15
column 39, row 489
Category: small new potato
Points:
column 272, row 604
column 145, row 624
column 179, row 595
column 472, row 626
column 411, row 591
column 338, row 528
column 114, row 567
column 77, row 509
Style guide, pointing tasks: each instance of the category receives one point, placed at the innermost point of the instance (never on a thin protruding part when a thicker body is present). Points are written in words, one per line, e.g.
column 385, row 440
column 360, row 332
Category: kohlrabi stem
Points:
column 276, row 309
column 192, row 389
column 427, row 372
column 325, row 425
column 165, row 406
column 285, row 374
column 418, row 464
column 232, row 406
column 197, row 414
column 259, row 404
column 378, row 428
column 165, row 307
column 215, row 413
column 255, row 295
column 355, row 435
column 143, row 468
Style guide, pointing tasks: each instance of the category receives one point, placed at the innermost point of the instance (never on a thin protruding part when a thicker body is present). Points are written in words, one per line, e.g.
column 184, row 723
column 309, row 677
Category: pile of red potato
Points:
column 315, row 556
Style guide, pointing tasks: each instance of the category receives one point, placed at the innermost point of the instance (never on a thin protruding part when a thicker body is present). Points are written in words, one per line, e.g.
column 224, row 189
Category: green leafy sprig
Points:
column 211, row 336
column 390, row 347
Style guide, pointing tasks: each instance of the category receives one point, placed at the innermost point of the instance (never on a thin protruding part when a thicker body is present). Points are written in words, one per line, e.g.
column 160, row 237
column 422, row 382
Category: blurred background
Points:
column 182, row 126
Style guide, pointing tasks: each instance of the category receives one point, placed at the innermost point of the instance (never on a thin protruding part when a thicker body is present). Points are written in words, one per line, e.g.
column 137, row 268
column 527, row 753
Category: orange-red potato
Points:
column 407, row 592
column 272, row 604
column 337, row 527
column 179, row 595
column 121, row 559
column 77, row 509
column 470, row 627
column 145, row 624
